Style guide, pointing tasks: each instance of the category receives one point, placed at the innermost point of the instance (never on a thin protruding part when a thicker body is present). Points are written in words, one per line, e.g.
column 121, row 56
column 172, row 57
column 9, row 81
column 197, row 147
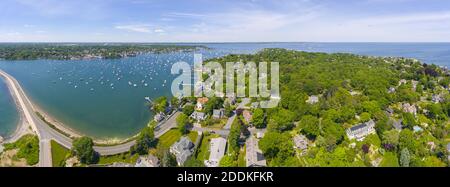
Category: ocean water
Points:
column 105, row 98
column 8, row 113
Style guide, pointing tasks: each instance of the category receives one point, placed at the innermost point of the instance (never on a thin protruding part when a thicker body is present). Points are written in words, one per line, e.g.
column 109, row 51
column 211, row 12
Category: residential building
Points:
column 448, row 151
column 147, row 161
column 158, row 117
column 254, row 155
column 201, row 103
column 217, row 151
column 255, row 105
column 403, row 81
column 313, row 99
column 182, row 150
column 409, row 108
column 247, row 116
column 397, row 124
column 360, row 131
column 437, row 98
column 300, row 142
column 391, row 90
column 199, row 116
column 218, row 113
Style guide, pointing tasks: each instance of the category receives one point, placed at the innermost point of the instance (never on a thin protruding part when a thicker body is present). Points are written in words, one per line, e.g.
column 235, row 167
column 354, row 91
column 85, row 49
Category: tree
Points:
column 188, row 109
column 144, row 141
column 168, row 159
column 235, row 134
column 390, row 139
column 407, row 140
column 408, row 120
column 310, row 126
column 160, row 104
column 228, row 109
column 281, row 120
column 277, row 145
column 258, row 118
column 83, row 149
column 228, row 161
column 404, row 158
column 182, row 122
column 192, row 162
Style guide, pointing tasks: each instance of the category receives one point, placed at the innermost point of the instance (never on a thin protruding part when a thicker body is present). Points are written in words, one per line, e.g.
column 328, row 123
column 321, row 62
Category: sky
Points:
column 224, row 21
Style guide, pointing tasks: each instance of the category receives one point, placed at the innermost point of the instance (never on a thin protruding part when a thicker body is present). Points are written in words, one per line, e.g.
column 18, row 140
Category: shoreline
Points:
column 23, row 126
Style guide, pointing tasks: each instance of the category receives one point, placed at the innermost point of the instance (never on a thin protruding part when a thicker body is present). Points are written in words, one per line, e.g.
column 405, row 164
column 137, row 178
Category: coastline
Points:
column 23, row 127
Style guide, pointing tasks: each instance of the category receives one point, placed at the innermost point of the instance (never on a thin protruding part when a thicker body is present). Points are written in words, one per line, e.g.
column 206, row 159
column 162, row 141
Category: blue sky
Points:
column 224, row 20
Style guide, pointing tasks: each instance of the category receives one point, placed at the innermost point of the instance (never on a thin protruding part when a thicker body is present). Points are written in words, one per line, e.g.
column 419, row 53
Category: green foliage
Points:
column 83, row 148
column 405, row 157
column 168, row 159
column 258, row 118
column 277, row 146
column 59, row 154
column 28, row 148
column 33, row 51
column 310, row 126
column 235, row 133
column 188, row 109
column 160, row 104
column 281, row 120
column 228, row 161
column 144, row 141
column 182, row 122
column 389, row 160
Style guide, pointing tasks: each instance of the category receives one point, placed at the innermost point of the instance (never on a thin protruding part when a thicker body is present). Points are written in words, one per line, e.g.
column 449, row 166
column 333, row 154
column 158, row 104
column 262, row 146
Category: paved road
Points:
column 46, row 133
column 162, row 128
column 241, row 105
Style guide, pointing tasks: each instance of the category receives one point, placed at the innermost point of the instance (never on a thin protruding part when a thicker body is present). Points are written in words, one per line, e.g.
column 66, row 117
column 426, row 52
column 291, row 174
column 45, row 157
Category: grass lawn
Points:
column 123, row 158
column 169, row 138
column 59, row 154
column 241, row 157
column 203, row 152
column 193, row 136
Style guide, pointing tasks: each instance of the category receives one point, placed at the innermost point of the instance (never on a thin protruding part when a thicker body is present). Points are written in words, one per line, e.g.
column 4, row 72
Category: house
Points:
column 201, row 103
column 247, row 116
column 259, row 134
column 254, row 155
column 414, row 84
column 403, row 81
column 158, row 117
column 255, row 105
column 182, row 150
column 199, row 116
column 218, row 114
column 391, row 90
column 147, row 161
column 409, row 108
column 360, row 131
column 217, row 151
column 231, row 98
column 1, row 139
column 390, row 111
column 437, row 98
column 397, row 124
column 313, row 99
column 301, row 143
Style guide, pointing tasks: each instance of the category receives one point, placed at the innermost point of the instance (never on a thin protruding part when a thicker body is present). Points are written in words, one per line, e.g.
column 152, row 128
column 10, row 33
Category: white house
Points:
column 147, row 161
column 359, row 132
column 199, row 116
column 313, row 99
column 217, row 150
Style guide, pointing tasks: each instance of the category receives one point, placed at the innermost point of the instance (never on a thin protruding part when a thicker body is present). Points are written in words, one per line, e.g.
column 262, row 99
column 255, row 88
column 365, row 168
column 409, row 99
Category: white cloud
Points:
column 143, row 28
